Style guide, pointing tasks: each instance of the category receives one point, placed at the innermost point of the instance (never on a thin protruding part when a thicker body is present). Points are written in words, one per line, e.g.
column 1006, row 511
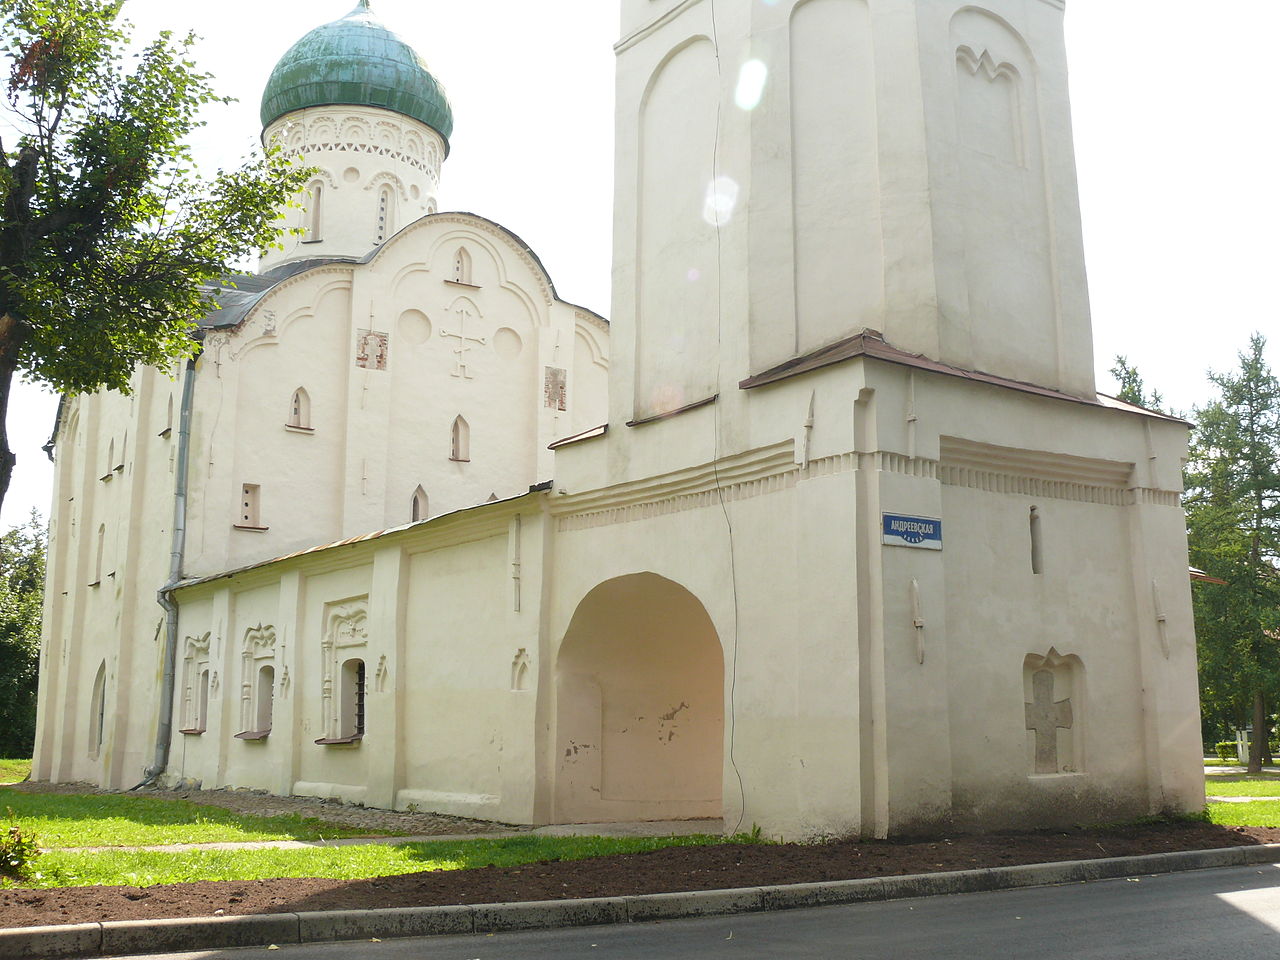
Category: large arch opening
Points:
column 640, row 706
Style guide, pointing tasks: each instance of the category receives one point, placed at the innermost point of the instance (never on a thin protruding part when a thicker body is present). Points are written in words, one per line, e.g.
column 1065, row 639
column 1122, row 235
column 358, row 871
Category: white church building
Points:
column 827, row 531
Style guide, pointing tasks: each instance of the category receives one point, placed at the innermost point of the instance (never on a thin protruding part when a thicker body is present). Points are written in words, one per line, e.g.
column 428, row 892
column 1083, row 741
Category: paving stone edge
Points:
column 122, row 937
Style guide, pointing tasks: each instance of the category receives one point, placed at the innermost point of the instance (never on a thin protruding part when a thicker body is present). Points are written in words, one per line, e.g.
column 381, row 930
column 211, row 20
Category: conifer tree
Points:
column 1233, row 515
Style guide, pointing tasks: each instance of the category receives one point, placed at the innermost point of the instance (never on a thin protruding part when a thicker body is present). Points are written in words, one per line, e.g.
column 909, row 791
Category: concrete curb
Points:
column 120, row 937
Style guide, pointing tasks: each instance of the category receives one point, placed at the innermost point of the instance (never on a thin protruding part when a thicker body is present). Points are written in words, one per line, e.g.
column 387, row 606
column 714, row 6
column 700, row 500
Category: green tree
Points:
column 1132, row 390
column 21, row 598
column 107, row 232
column 1233, row 516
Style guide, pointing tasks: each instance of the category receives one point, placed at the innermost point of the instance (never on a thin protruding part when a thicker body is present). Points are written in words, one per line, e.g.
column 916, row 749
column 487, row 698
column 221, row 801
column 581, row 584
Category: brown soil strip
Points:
column 675, row 869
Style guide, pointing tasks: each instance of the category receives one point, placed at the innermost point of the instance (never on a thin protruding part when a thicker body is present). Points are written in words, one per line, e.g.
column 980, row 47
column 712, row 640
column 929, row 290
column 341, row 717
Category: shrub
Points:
column 17, row 851
column 1226, row 750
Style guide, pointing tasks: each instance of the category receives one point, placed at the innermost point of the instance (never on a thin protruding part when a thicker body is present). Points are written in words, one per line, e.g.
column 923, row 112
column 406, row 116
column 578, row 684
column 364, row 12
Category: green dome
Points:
column 357, row 61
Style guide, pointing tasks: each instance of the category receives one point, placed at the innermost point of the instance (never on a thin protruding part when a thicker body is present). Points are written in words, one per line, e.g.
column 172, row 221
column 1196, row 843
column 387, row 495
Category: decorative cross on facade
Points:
column 464, row 315
column 1044, row 716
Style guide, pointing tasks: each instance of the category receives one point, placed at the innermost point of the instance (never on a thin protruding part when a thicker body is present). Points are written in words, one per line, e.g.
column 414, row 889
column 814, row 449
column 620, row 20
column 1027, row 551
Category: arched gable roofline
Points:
column 305, row 311
column 592, row 336
column 512, row 240
column 1000, row 21
column 670, row 55
column 539, row 314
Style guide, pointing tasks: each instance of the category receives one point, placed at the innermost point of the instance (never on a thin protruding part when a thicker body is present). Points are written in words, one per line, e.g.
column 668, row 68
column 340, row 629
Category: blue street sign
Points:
column 923, row 533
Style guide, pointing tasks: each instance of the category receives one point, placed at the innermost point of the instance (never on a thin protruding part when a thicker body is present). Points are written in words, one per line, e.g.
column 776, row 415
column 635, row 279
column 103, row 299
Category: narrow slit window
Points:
column 111, row 460
column 98, row 711
column 124, row 448
column 460, row 445
column 300, row 410
column 462, row 266
column 250, row 506
column 202, row 703
column 97, row 561
column 315, row 212
column 386, row 215
column 266, row 698
column 168, row 419
column 419, row 505
column 1037, row 543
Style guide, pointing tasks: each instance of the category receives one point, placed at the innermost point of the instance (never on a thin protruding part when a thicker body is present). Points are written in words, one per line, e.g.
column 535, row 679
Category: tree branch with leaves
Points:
column 109, row 236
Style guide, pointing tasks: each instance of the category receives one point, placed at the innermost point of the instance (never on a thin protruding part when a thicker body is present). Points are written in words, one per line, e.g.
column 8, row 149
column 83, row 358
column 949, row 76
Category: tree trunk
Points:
column 1267, row 759
column 1259, row 735
column 7, row 459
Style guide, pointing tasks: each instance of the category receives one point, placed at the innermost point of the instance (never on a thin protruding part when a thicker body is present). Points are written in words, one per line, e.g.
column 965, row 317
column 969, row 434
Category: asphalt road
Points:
column 1233, row 914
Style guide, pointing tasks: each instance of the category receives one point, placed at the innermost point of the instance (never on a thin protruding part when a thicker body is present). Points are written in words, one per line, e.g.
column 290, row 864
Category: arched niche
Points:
column 640, row 705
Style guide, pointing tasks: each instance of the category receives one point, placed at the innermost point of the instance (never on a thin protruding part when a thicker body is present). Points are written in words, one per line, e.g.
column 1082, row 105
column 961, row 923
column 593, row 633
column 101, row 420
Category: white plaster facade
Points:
column 862, row 294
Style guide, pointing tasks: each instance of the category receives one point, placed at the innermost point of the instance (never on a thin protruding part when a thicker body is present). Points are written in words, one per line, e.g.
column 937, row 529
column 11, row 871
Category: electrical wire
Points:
column 715, row 459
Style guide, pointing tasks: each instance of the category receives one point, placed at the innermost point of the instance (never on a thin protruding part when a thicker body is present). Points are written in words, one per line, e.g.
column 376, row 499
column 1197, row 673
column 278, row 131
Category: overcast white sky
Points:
column 1174, row 106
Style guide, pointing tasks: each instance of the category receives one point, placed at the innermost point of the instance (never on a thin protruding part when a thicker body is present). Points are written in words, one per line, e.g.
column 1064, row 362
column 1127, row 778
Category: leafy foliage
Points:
column 1233, row 516
column 107, row 232
column 22, row 554
column 17, row 851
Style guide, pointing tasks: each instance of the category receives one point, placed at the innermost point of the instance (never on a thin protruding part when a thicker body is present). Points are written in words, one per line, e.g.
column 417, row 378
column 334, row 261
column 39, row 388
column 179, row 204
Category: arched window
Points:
column 419, row 505
column 460, row 449
column 313, row 213
column 124, row 452
column 98, row 711
column 351, row 723
column 266, row 698
column 168, row 419
column 386, row 214
column 111, row 459
column 300, row 410
column 462, row 266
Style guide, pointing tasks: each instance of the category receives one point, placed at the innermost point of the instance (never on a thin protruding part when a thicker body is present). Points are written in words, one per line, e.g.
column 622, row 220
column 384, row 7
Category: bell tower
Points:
column 791, row 173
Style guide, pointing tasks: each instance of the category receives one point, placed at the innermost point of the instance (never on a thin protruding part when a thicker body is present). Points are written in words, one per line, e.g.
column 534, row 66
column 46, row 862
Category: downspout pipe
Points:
column 164, row 731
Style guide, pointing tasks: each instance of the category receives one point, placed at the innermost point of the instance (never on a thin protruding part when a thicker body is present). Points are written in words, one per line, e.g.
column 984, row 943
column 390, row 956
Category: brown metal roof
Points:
column 871, row 343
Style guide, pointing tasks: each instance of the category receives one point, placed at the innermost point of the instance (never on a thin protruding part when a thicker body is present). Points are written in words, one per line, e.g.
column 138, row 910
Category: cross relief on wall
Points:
column 1045, row 716
column 466, row 317
column 1052, row 688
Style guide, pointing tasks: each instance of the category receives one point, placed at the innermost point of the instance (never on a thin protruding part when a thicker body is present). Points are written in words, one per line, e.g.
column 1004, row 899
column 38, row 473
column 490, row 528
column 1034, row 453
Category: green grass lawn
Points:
column 1235, row 785
column 116, row 820
column 14, row 771
column 125, row 868
column 1259, row 813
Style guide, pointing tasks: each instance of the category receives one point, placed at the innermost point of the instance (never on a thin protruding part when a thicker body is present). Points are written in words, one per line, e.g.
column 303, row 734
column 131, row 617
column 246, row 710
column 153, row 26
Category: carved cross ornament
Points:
column 466, row 316
column 1045, row 717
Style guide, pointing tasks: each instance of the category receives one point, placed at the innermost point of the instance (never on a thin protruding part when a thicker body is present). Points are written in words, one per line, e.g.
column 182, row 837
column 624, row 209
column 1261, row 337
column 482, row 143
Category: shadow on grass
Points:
column 88, row 820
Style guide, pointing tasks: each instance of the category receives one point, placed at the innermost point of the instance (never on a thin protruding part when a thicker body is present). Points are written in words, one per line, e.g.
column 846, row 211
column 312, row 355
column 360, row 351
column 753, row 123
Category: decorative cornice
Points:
column 769, row 470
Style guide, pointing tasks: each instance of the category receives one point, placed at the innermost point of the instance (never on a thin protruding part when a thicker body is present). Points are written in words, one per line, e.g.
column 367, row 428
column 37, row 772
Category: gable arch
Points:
column 494, row 237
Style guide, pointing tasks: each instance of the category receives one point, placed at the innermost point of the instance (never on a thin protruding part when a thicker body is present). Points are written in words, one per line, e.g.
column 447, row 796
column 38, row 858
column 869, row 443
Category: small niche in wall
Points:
column 460, row 441
column 520, row 671
column 300, row 411
column 249, row 516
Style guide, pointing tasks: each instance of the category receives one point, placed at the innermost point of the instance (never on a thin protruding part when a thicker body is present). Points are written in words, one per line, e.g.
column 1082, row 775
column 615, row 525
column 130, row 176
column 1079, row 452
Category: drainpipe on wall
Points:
column 164, row 731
